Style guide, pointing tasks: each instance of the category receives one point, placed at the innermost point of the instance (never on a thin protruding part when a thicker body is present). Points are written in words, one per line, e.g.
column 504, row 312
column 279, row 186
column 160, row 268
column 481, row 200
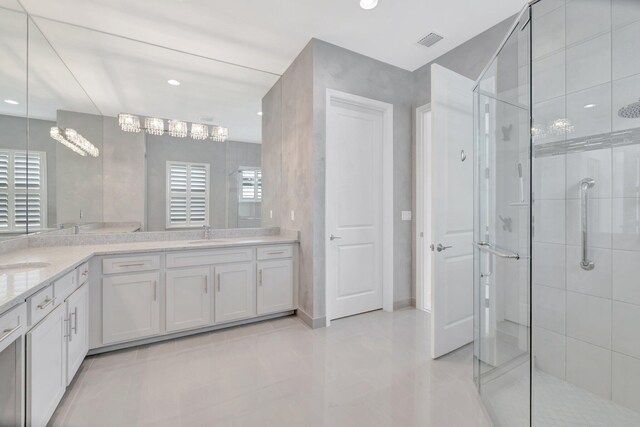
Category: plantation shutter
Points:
column 5, row 221
column 22, row 190
column 187, row 194
column 28, row 182
column 250, row 185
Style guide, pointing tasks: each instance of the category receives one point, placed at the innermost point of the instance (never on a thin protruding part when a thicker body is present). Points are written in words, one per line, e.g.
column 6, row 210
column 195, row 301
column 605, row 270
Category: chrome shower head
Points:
column 631, row 111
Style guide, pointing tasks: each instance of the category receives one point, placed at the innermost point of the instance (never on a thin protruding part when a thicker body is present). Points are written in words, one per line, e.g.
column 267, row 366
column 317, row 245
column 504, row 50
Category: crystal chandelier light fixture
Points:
column 219, row 133
column 154, row 126
column 561, row 127
column 199, row 131
column 129, row 122
column 81, row 142
column 177, row 129
column 58, row 135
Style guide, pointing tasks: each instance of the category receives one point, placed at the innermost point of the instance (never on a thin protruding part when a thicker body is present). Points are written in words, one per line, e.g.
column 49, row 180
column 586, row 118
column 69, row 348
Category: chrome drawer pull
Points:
column 74, row 328
column 8, row 332
column 138, row 264
column 46, row 302
column 275, row 253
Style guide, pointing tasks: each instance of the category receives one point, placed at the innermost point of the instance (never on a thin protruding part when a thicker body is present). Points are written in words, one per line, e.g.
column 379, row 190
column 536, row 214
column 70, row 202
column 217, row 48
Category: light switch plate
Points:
column 293, row 215
column 406, row 215
column 270, row 213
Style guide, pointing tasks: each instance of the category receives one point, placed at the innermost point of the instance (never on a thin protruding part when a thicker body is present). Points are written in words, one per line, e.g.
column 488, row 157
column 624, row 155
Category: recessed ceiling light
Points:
column 11, row 101
column 173, row 82
column 589, row 105
column 259, row 113
column 368, row 4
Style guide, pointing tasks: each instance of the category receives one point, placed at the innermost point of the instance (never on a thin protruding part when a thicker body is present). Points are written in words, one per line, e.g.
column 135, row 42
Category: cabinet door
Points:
column 188, row 298
column 130, row 307
column 78, row 339
column 46, row 366
column 275, row 286
column 235, row 296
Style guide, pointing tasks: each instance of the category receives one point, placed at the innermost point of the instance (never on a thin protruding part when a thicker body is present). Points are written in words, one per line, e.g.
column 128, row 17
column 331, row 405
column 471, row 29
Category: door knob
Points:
column 441, row 248
column 332, row 237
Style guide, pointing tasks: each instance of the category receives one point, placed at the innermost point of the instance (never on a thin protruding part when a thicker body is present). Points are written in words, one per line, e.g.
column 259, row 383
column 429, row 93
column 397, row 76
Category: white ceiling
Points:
column 268, row 34
column 121, row 75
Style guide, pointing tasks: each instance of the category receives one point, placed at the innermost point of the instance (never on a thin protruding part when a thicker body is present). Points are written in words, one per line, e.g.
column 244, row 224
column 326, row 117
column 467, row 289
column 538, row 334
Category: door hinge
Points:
column 432, row 247
column 486, row 303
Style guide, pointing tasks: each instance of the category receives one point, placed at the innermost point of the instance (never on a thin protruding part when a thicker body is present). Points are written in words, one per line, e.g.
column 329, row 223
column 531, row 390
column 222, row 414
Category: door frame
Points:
column 423, row 218
column 386, row 109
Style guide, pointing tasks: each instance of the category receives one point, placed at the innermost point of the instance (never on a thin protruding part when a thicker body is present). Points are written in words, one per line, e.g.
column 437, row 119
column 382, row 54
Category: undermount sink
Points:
column 24, row 266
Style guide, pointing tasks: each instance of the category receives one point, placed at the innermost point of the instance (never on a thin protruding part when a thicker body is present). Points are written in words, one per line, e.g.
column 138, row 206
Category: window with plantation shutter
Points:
column 23, row 190
column 250, row 185
column 187, row 194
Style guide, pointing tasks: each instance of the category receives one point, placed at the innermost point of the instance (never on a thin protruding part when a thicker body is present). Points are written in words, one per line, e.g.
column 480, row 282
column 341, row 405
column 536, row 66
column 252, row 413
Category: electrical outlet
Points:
column 293, row 215
column 406, row 215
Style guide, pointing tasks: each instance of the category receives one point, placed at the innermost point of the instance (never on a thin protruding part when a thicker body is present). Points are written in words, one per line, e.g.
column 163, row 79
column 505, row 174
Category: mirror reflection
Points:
column 117, row 135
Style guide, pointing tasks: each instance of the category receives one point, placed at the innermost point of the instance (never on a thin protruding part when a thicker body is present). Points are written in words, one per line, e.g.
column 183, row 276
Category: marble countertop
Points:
column 18, row 284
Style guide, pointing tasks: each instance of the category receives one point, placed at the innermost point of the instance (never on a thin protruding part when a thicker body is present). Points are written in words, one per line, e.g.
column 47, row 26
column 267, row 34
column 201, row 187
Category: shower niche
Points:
column 557, row 118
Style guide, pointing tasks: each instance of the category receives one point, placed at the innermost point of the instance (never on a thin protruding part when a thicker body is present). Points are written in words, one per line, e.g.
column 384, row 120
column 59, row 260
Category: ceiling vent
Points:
column 430, row 39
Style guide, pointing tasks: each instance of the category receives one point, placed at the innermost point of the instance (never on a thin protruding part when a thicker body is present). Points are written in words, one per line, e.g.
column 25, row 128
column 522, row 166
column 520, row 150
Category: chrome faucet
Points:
column 207, row 232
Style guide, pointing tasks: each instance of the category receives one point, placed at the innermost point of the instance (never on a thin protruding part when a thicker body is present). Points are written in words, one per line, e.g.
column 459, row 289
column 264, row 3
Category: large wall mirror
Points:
column 110, row 134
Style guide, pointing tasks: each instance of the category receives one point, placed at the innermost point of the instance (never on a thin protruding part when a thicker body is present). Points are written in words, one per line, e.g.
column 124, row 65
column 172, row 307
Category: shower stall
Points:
column 557, row 218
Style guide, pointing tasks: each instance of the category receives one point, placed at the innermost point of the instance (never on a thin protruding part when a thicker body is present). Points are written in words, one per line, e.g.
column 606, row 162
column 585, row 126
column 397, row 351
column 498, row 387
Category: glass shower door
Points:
column 502, row 229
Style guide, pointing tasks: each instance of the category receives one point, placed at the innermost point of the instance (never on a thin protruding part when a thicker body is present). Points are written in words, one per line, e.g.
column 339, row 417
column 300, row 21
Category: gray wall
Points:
column 343, row 70
column 123, row 174
column 271, row 155
column 79, row 179
column 296, row 186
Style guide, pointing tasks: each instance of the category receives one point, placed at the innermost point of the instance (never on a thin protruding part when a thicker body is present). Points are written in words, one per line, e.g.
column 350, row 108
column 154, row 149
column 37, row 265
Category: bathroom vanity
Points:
column 66, row 302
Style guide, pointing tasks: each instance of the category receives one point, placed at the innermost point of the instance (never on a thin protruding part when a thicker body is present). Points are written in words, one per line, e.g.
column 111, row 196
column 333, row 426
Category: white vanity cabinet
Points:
column 235, row 296
column 77, row 307
column 275, row 286
column 56, row 344
column 130, row 307
column 153, row 296
column 188, row 299
column 46, row 366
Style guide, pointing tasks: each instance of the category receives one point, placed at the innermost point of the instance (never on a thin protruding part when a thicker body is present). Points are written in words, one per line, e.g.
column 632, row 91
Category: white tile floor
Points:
column 367, row 370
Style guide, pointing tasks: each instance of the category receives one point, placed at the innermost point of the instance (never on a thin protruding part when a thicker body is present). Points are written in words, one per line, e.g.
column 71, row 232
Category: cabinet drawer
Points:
column 83, row 274
column 12, row 324
column 41, row 304
column 130, row 264
column 216, row 256
column 272, row 252
column 64, row 286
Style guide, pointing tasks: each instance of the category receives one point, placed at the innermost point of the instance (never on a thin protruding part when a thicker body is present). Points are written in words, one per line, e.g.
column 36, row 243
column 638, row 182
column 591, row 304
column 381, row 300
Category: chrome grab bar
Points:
column 484, row 246
column 585, row 185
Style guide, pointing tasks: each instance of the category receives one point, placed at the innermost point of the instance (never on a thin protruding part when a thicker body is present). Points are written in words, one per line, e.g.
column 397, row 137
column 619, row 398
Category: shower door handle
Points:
column 484, row 246
column 585, row 185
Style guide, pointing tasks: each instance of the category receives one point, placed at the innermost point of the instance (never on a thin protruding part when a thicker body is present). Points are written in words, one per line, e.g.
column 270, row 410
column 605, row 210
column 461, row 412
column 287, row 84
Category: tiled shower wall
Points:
column 586, row 324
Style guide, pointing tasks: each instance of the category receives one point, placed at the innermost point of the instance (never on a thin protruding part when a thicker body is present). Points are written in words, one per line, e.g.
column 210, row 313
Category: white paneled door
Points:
column 354, row 205
column 452, row 211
